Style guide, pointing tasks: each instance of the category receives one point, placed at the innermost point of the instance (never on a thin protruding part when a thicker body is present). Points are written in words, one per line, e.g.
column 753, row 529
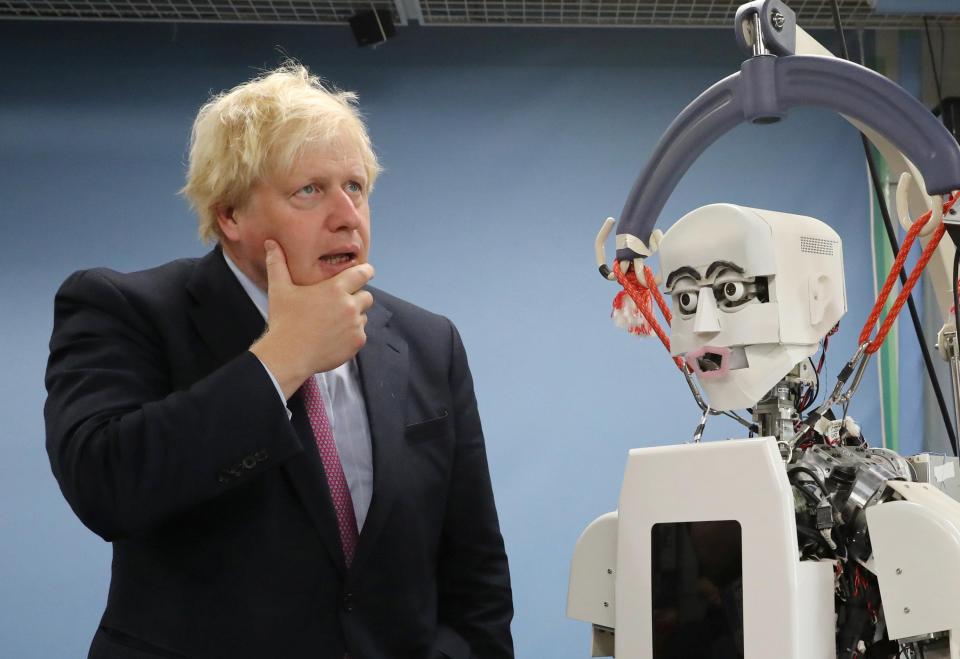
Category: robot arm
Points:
column 591, row 596
column 916, row 551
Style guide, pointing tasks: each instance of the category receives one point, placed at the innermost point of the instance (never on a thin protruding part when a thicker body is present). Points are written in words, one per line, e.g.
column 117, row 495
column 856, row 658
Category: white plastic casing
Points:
column 788, row 607
column 916, row 552
column 802, row 259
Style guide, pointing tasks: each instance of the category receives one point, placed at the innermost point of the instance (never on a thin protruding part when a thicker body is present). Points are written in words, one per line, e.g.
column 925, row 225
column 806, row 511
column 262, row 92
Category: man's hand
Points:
column 311, row 328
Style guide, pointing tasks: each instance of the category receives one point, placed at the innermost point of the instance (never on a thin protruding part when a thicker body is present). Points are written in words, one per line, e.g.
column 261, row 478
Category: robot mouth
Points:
column 715, row 361
column 710, row 361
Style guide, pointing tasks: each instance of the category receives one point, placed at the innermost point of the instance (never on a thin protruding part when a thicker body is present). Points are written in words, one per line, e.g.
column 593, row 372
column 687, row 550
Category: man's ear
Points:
column 227, row 221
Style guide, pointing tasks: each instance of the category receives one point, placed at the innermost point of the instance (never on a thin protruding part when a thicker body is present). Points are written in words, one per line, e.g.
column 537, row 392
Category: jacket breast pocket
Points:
column 435, row 428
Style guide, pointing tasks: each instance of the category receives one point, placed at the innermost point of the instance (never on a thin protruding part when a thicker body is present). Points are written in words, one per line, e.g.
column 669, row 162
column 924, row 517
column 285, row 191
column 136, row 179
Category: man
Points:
column 319, row 489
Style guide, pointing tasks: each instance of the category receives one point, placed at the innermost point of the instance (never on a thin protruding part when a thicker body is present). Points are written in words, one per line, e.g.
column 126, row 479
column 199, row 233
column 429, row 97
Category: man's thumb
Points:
column 277, row 272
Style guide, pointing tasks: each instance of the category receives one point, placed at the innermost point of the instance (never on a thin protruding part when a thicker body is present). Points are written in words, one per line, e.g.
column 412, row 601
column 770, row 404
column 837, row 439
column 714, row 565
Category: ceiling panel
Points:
column 609, row 13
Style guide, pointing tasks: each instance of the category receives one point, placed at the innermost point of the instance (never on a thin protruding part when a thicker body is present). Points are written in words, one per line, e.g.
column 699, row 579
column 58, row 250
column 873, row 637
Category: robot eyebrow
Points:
column 680, row 272
column 716, row 265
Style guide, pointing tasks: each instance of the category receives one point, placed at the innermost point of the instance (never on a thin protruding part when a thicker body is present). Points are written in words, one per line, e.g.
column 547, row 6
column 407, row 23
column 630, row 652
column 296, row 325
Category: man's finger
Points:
column 277, row 273
column 353, row 279
column 364, row 300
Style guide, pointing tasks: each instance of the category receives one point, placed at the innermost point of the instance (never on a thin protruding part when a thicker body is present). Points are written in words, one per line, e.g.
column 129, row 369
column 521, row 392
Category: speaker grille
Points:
column 810, row 245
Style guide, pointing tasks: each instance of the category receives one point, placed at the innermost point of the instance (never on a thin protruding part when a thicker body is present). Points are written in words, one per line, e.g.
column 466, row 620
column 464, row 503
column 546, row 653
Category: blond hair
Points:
column 257, row 129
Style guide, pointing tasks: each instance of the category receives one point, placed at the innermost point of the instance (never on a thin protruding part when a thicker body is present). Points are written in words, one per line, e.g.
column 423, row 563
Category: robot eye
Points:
column 734, row 291
column 687, row 301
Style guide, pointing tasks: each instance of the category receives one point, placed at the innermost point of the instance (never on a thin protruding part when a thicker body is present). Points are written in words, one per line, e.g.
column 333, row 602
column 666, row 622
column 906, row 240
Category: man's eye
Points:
column 734, row 291
column 308, row 189
column 687, row 301
column 354, row 187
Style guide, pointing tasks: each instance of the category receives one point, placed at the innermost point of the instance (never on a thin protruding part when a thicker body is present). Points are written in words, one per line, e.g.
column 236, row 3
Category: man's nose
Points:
column 707, row 320
column 345, row 213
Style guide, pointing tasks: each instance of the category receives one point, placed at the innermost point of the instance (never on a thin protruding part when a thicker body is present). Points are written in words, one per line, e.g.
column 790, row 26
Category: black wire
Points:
column 895, row 246
column 956, row 305
column 812, row 391
column 933, row 62
column 816, row 390
column 943, row 43
column 811, row 497
column 811, row 474
column 836, row 23
column 956, row 311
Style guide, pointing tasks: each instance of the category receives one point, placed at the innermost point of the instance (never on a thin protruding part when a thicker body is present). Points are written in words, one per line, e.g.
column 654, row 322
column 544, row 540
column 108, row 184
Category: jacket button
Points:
column 249, row 462
column 348, row 602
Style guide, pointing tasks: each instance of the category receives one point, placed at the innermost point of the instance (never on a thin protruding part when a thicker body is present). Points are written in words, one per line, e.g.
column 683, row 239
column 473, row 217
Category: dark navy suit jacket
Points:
column 168, row 439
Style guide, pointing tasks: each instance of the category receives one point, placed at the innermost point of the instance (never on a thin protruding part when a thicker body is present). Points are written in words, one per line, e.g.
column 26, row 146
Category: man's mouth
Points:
column 337, row 259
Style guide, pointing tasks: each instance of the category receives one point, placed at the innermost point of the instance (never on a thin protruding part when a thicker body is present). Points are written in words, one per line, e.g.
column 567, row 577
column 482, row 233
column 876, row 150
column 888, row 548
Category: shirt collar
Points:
column 256, row 294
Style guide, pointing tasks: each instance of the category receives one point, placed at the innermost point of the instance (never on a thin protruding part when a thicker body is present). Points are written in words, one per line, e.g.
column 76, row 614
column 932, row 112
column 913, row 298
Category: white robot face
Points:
column 753, row 293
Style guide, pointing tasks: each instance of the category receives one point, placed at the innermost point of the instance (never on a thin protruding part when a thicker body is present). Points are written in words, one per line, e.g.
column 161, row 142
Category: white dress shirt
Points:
column 346, row 410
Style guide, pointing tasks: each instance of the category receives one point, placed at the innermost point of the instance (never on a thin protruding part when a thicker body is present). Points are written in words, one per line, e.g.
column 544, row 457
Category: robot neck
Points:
column 776, row 413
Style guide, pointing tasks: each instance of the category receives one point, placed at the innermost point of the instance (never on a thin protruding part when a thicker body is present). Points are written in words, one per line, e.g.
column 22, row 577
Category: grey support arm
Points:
column 763, row 91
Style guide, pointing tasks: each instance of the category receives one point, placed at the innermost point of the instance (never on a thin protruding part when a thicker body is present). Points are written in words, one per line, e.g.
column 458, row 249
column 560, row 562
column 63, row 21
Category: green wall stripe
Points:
column 887, row 357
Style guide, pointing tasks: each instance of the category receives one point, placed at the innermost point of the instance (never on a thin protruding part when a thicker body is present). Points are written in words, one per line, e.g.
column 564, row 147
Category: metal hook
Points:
column 698, row 433
column 934, row 205
column 600, row 253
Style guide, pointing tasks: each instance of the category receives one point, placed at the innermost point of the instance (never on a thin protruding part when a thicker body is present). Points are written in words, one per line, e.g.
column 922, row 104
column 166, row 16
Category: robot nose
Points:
column 707, row 320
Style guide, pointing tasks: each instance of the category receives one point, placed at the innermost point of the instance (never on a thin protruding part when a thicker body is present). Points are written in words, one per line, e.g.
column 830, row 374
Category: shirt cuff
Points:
column 277, row 386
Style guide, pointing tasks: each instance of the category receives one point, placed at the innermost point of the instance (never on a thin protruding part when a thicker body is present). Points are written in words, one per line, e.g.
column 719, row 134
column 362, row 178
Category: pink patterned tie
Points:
column 339, row 491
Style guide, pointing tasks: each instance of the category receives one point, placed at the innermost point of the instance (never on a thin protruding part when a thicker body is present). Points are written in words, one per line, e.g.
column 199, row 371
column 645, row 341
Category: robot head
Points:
column 753, row 293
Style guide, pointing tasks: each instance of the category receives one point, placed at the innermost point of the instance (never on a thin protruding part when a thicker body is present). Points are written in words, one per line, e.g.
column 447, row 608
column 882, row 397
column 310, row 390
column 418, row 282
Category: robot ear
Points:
column 819, row 293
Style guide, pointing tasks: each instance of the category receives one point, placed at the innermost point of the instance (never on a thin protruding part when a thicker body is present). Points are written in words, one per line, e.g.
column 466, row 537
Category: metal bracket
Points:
column 766, row 27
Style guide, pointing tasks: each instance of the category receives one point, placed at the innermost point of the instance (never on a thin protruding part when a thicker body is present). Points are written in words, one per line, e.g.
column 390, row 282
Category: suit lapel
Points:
column 383, row 372
column 225, row 317
column 229, row 322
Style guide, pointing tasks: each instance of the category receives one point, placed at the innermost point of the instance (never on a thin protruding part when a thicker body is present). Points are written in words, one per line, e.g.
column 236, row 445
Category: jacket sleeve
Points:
column 127, row 450
column 474, row 578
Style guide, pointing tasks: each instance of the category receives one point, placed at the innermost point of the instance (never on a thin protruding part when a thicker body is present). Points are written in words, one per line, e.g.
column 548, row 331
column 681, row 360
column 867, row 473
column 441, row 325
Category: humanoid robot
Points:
column 798, row 541
column 801, row 544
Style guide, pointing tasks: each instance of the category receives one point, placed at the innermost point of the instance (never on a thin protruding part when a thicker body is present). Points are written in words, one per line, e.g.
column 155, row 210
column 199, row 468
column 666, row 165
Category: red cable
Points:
column 891, row 280
column 905, row 292
column 631, row 285
column 652, row 286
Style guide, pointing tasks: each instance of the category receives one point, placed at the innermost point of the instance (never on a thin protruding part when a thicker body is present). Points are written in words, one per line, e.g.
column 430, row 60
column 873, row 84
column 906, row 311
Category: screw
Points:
column 778, row 20
column 609, row 571
column 606, row 604
column 899, row 571
column 906, row 609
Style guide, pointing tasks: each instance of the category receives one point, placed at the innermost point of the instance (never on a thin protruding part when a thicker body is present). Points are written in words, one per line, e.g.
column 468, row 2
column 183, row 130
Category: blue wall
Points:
column 504, row 150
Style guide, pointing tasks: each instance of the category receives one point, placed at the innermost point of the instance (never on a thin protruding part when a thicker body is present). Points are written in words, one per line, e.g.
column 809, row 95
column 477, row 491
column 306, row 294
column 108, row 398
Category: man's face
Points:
column 318, row 212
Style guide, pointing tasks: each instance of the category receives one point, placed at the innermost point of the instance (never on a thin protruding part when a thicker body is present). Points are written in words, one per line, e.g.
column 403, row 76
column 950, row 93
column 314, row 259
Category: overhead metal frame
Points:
column 596, row 13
